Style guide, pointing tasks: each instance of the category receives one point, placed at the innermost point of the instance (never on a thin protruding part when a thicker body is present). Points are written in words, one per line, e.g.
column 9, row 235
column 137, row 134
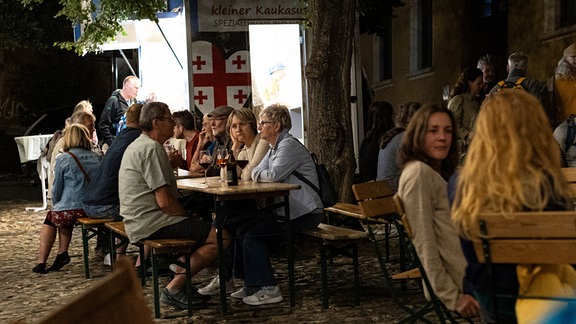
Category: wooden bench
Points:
column 119, row 240
column 91, row 227
column 337, row 241
column 533, row 237
column 172, row 249
column 115, row 299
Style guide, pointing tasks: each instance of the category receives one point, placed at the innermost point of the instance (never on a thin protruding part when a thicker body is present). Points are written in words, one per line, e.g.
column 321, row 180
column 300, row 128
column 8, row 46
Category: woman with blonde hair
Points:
column 513, row 165
column 72, row 173
column 246, row 142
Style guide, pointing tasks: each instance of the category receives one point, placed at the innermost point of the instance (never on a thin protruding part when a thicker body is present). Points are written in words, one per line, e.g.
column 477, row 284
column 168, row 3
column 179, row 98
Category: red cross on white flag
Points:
column 217, row 81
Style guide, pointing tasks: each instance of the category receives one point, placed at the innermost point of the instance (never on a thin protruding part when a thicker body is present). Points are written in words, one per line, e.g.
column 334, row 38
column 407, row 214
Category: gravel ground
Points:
column 28, row 296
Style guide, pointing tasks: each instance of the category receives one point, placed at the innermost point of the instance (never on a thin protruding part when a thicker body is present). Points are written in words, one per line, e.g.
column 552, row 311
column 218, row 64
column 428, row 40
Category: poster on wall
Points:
column 221, row 60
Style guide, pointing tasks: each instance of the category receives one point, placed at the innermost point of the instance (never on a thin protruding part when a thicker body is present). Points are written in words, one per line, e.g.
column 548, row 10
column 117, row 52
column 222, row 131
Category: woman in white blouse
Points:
column 246, row 141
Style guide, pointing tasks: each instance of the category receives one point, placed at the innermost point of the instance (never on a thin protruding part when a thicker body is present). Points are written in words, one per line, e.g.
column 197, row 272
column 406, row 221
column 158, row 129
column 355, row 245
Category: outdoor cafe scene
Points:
column 196, row 198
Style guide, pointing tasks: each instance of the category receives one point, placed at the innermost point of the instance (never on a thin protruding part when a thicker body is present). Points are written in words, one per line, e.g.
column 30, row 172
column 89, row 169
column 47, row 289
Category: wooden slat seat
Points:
column 336, row 241
column 172, row 249
column 94, row 221
column 335, row 233
column 410, row 274
column 170, row 245
column 346, row 209
column 91, row 227
column 118, row 240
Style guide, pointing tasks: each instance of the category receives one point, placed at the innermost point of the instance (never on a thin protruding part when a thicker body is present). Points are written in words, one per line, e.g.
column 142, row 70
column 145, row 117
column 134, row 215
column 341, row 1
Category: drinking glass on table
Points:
column 242, row 159
column 222, row 159
column 205, row 161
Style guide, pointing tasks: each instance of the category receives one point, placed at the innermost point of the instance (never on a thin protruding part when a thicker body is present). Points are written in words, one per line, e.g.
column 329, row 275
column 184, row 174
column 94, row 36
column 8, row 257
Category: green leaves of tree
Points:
column 101, row 20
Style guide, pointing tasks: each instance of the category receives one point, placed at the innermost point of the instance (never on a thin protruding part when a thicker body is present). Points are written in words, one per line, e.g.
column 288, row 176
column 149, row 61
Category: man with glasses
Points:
column 149, row 204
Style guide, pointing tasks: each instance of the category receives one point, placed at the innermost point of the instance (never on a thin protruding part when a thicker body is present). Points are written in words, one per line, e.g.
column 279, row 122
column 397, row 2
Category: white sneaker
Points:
column 240, row 293
column 266, row 295
column 107, row 260
column 213, row 288
column 173, row 267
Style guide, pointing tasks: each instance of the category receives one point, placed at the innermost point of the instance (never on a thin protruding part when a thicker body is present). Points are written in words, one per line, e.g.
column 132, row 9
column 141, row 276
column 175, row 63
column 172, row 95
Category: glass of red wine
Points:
column 205, row 161
column 242, row 159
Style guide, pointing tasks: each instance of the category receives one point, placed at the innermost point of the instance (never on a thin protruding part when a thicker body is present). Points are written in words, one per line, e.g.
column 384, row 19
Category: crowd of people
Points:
column 479, row 152
column 132, row 180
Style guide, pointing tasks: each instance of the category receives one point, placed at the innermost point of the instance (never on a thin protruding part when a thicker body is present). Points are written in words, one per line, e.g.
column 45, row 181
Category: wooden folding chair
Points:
column 434, row 304
column 532, row 237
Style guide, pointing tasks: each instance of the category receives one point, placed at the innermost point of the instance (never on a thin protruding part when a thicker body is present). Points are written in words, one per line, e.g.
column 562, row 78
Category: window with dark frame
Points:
column 385, row 53
column 424, row 34
column 567, row 13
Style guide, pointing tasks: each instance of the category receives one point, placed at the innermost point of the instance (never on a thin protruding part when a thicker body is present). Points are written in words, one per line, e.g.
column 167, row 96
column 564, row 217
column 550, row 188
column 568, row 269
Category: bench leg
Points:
column 142, row 263
column 324, row 274
column 155, row 284
column 113, row 247
column 86, row 249
column 356, row 272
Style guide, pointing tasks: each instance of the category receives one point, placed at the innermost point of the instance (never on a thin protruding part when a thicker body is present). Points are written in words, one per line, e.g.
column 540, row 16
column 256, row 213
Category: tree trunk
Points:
column 328, row 75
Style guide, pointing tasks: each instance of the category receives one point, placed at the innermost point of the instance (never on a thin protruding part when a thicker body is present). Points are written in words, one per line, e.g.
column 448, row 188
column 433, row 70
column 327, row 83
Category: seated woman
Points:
column 429, row 157
column 286, row 155
column 388, row 167
column 72, row 172
column 246, row 142
column 380, row 120
column 510, row 167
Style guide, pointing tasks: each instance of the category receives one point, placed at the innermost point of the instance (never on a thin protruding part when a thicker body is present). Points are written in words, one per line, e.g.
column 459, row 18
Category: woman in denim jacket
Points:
column 71, row 175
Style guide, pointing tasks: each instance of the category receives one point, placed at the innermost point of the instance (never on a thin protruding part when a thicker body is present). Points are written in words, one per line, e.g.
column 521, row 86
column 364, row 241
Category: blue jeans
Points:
column 251, row 247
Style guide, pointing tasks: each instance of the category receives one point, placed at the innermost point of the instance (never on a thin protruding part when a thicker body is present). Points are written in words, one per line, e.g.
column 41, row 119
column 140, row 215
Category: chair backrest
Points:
column 533, row 237
column 570, row 175
column 375, row 199
column 116, row 299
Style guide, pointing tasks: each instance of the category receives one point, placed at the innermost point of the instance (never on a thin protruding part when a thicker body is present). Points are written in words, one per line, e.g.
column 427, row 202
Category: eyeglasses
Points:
column 262, row 123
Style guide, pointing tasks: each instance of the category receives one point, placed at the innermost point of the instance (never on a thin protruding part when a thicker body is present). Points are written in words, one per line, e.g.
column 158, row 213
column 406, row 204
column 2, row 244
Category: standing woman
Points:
column 428, row 158
column 511, row 168
column 246, row 141
column 380, row 120
column 72, row 172
column 286, row 156
column 464, row 105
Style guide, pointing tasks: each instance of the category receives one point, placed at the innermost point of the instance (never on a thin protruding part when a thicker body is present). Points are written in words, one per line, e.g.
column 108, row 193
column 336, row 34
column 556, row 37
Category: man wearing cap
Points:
column 558, row 96
column 218, row 118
